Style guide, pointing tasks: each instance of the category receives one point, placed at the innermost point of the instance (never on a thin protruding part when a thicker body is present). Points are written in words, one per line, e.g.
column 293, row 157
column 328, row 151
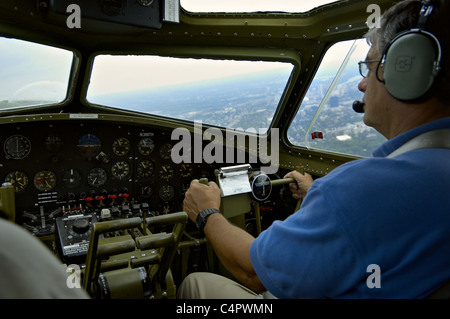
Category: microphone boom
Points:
column 358, row 106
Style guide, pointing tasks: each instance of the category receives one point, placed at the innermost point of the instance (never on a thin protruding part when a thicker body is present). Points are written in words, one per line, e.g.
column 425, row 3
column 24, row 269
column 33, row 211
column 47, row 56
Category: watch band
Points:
column 203, row 216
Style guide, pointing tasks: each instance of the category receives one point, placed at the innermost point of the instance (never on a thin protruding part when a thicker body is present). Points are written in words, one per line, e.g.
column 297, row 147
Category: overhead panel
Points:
column 146, row 13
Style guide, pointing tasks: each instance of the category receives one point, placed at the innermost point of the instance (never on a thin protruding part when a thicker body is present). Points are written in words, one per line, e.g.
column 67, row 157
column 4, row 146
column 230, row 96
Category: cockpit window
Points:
column 240, row 6
column 32, row 74
column 325, row 119
column 227, row 93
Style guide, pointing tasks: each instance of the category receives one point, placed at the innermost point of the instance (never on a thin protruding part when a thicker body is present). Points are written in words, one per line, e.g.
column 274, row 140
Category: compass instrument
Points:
column 17, row 147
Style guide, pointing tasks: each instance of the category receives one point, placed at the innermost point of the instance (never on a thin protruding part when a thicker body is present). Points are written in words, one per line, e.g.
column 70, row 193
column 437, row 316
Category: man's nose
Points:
column 362, row 85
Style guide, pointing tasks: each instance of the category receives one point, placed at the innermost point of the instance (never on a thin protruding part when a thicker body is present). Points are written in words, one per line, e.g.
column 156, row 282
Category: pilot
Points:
column 28, row 270
column 372, row 228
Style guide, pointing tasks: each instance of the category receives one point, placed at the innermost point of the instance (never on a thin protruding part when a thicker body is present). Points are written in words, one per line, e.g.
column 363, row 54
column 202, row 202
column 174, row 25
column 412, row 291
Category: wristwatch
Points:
column 203, row 216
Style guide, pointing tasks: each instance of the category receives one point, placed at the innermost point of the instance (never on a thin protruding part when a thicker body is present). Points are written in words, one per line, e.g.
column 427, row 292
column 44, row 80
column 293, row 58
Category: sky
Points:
column 32, row 69
column 112, row 74
column 251, row 5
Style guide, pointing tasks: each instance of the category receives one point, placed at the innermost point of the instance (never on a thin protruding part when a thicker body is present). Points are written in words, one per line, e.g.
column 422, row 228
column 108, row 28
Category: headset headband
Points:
column 425, row 12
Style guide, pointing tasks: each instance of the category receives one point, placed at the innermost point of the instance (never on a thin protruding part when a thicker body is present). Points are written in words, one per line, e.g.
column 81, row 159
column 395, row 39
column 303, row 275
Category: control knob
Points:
column 80, row 226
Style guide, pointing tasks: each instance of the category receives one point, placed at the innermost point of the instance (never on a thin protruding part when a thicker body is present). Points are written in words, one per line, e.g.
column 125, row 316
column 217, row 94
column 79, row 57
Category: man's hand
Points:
column 231, row 243
column 200, row 197
column 302, row 185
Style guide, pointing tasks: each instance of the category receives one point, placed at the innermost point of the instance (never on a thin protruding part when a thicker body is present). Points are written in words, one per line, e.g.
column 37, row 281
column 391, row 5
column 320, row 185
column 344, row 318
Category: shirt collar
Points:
column 390, row 146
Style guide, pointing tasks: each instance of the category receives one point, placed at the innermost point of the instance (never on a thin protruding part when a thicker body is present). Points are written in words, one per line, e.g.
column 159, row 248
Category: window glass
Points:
column 226, row 93
column 326, row 120
column 32, row 74
column 241, row 6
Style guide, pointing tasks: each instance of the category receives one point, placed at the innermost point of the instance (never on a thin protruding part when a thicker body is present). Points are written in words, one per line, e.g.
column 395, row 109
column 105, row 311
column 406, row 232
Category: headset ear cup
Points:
column 409, row 68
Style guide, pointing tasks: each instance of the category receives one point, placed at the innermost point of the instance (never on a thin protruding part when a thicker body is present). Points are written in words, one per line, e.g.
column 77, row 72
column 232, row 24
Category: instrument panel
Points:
column 64, row 166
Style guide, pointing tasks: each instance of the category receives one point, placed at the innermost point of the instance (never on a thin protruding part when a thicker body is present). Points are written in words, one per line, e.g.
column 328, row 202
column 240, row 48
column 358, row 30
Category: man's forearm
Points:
column 232, row 246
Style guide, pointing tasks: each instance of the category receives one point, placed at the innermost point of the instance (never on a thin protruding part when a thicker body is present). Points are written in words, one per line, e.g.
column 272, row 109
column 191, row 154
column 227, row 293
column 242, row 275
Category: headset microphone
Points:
column 358, row 106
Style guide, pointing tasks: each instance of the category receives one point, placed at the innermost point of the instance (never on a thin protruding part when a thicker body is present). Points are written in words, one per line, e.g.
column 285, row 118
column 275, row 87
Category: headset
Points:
column 412, row 60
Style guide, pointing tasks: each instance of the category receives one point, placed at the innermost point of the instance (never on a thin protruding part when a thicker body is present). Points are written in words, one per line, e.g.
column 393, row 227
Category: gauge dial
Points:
column 53, row 143
column 97, row 177
column 183, row 189
column 145, row 3
column 18, row 179
column 186, row 170
column 145, row 168
column 165, row 151
column 45, row 180
column 146, row 146
column 121, row 146
column 17, row 147
column 89, row 145
column 120, row 169
column 166, row 192
column 71, row 178
column 146, row 191
column 166, row 172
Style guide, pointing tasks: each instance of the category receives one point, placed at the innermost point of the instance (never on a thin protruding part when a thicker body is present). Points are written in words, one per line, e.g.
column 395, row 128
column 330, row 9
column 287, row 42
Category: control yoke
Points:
column 240, row 186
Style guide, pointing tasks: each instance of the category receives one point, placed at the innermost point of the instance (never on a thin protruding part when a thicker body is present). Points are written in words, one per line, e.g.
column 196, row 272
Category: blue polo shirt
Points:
column 372, row 228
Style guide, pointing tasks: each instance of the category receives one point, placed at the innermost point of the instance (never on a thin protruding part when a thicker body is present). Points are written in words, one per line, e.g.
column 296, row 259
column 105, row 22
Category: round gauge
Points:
column 97, row 177
column 183, row 189
column 146, row 191
column 45, row 180
column 17, row 147
column 146, row 146
column 166, row 172
column 165, row 151
column 145, row 3
column 53, row 143
column 89, row 145
column 186, row 170
column 18, row 179
column 145, row 168
column 71, row 178
column 121, row 146
column 120, row 169
column 166, row 192
column 261, row 186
